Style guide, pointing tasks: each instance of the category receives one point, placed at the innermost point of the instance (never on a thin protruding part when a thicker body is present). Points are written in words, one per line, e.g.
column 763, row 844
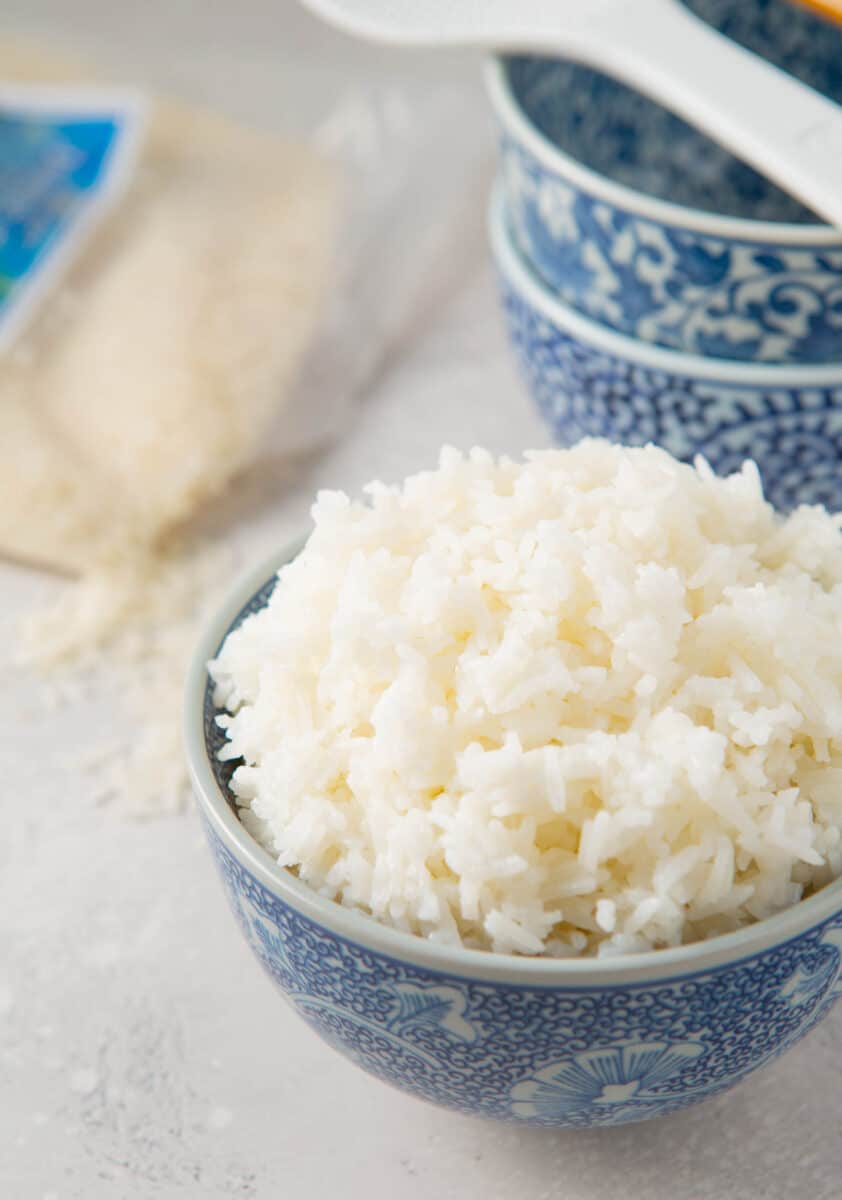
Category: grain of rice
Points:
column 590, row 703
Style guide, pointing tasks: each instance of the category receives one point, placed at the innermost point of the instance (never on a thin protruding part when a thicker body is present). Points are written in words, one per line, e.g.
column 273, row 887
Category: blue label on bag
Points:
column 66, row 155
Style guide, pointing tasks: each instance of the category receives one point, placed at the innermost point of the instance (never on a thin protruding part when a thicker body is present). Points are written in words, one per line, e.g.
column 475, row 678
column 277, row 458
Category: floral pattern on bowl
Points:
column 590, row 382
column 545, row 1056
column 673, row 286
column 617, row 1078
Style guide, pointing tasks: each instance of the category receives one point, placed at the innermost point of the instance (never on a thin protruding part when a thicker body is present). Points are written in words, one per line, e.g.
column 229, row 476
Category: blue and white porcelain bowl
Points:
column 588, row 381
column 576, row 1043
column 647, row 226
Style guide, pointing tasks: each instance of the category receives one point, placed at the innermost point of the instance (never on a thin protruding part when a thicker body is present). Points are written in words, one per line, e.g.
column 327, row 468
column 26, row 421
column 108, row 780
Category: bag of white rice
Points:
column 586, row 704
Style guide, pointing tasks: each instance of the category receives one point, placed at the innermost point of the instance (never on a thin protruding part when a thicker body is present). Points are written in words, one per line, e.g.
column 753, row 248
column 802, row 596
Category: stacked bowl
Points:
column 658, row 289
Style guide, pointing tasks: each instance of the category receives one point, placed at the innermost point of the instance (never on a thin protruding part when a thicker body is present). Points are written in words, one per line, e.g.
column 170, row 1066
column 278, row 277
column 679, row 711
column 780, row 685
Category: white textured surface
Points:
column 142, row 1052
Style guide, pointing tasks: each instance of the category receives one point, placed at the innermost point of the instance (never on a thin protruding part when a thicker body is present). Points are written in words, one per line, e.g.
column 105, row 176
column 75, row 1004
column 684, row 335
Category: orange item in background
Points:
column 827, row 8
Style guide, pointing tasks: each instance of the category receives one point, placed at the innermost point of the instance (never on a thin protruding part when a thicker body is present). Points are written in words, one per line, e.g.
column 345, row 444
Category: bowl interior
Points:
column 631, row 140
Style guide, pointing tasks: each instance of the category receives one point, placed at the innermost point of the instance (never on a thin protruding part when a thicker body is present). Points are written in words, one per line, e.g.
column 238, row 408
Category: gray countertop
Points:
column 142, row 1052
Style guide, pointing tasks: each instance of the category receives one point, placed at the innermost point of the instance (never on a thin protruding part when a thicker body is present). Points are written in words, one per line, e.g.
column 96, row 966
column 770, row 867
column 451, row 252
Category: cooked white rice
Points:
column 590, row 703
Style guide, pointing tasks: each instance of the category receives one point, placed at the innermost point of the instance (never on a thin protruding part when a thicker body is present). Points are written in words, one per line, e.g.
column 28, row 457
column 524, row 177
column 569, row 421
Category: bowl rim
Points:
column 357, row 927
column 515, row 119
column 652, row 357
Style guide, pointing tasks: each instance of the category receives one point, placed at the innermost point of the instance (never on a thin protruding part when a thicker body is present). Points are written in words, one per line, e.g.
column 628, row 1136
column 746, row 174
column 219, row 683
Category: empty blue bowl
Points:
column 644, row 224
column 539, row 1041
column 590, row 381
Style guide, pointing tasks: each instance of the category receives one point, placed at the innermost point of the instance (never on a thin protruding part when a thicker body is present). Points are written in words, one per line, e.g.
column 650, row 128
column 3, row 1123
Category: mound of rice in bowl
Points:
column 590, row 703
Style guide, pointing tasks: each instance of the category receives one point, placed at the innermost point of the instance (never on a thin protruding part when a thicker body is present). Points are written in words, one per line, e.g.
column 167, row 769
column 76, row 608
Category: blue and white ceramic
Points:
column 647, row 226
column 528, row 1040
column 588, row 381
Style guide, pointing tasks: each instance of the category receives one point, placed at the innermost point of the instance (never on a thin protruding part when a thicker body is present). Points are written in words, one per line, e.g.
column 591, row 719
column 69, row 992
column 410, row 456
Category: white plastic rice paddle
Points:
column 784, row 129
